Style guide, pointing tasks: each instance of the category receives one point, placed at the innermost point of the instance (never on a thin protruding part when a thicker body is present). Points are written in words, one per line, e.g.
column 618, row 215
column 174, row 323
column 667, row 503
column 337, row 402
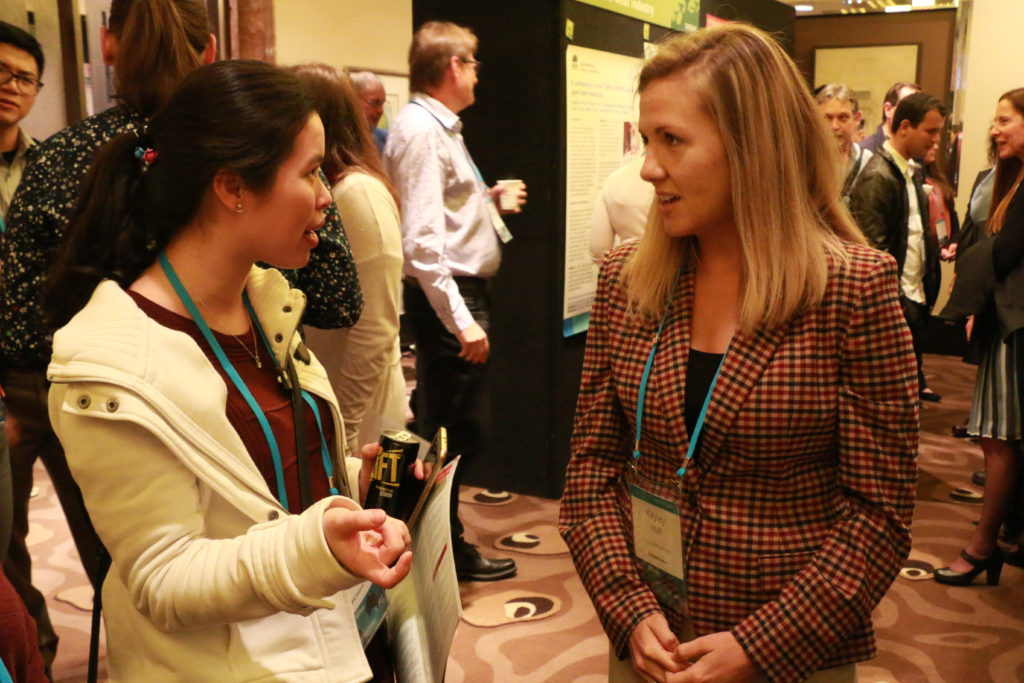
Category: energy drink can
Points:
column 394, row 463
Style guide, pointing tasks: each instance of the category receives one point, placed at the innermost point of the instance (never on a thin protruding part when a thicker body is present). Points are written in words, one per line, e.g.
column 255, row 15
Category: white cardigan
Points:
column 212, row 580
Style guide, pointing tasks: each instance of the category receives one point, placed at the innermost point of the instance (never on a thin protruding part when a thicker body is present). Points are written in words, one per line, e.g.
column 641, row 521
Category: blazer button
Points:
column 112, row 405
column 272, row 515
column 84, row 401
column 287, row 309
column 279, row 337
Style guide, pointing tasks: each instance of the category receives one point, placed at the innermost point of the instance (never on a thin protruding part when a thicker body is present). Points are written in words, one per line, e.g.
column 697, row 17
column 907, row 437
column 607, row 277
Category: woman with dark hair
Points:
column 204, row 436
column 993, row 267
column 743, row 456
column 364, row 362
column 151, row 45
column 942, row 216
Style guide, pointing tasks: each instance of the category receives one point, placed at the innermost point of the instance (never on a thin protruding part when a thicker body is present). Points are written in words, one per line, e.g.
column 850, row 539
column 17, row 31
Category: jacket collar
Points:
column 112, row 341
column 445, row 116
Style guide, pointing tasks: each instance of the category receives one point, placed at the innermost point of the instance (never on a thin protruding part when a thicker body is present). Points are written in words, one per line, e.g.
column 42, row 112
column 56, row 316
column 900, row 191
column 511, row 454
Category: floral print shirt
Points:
column 37, row 221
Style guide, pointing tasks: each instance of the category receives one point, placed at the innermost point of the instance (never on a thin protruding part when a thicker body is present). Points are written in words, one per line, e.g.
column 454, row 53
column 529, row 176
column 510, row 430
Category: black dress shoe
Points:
column 978, row 478
column 470, row 565
column 959, row 431
column 929, row 395
column 991, row 565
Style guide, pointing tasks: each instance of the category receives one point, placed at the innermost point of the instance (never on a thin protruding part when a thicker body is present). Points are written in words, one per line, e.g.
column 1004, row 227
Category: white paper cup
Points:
column 509, row 197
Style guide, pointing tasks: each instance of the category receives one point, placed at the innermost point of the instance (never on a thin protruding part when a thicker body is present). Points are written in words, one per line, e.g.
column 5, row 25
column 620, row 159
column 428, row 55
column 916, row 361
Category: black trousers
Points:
column 917, row 320
column 449, row 391
column 27, row 405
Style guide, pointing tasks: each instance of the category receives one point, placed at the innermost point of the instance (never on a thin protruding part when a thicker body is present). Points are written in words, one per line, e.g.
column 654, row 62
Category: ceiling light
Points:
column 897, row 8
column 804, row 8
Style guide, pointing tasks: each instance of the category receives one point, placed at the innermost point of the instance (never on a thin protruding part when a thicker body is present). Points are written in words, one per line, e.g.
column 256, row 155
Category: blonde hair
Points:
column 1009, row 173
column 785, row 173
column 433, row 45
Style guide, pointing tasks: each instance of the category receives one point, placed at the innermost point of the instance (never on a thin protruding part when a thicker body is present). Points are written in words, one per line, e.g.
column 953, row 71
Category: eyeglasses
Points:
column 27, row 85
column 472, row 62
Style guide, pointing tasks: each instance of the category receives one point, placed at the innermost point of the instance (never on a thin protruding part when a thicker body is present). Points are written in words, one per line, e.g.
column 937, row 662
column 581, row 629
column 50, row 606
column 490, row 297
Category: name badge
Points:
column 499, row 225
column 657, row 539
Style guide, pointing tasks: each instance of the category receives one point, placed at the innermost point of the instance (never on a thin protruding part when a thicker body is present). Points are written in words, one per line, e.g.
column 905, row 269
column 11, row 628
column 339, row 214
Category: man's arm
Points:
column 872, row 202
column 416, row 170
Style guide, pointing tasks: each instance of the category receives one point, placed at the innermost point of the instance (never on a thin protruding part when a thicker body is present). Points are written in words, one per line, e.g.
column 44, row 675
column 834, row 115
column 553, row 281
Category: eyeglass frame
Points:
column 476, row 63
column 20, row 79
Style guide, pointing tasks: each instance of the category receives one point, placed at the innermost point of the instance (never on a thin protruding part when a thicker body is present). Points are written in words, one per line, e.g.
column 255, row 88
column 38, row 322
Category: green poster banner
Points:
column 680, row 15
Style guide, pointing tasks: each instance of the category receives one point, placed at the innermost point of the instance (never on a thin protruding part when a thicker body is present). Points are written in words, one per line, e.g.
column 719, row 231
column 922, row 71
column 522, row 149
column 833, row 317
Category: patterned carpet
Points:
column 540, row 626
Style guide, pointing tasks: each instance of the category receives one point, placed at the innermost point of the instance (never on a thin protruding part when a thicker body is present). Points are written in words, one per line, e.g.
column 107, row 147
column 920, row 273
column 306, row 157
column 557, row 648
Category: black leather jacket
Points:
column 880, row 206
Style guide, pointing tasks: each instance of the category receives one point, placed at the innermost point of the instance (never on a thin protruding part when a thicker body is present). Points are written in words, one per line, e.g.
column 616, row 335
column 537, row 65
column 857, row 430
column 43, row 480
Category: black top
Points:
column 700, row 372
column 1008, row 250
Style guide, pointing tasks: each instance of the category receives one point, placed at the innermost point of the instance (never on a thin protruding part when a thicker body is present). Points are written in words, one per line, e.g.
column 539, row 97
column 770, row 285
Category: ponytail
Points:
column 106, row 238
column 159, row 43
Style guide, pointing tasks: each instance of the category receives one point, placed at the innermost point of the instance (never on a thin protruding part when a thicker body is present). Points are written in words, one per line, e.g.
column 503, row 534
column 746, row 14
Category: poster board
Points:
column 601, row 113
column 680, row 15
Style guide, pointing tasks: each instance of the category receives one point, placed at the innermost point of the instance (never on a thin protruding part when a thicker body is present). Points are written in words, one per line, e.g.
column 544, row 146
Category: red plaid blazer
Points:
column 804, row 486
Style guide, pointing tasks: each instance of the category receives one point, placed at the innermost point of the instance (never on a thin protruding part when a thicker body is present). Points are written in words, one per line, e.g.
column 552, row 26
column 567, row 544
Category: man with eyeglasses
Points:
column 21, row 65
column 451, row 235
column 371, row 92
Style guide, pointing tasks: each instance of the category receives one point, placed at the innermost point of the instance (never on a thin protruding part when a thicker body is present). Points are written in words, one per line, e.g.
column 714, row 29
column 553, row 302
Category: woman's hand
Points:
column 368, row 543
column 652, row 646
column 368, row 453
column 715, row 658
column 969, row 327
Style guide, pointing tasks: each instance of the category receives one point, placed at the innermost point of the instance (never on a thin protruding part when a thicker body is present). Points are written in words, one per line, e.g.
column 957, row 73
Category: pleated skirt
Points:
column 996, row 405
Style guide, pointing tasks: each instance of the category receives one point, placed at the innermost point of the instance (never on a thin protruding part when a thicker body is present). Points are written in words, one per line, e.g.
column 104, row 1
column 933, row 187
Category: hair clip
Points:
column 147, row 156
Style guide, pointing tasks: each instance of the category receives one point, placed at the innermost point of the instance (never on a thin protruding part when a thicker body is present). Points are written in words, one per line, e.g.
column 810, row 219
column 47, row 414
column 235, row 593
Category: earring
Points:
column 238, row 207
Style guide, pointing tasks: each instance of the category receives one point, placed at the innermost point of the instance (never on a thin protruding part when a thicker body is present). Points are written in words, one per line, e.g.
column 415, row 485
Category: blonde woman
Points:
column 743, row 470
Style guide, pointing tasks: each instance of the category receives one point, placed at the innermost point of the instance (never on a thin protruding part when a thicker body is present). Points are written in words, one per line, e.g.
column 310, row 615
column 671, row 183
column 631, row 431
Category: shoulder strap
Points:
column 102, row 568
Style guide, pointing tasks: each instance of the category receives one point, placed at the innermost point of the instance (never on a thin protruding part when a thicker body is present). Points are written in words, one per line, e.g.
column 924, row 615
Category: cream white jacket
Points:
column 212, row 580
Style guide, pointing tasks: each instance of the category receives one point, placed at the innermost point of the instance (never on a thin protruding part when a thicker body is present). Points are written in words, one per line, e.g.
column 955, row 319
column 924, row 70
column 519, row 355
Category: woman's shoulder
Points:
column 863, row 261
column 106, row 332
column 361, row 186
column 616, row 259
column 89, row 134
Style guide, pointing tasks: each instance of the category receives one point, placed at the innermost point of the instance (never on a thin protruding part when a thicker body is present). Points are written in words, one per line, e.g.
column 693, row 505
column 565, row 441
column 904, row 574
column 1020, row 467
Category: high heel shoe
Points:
column 992, row 565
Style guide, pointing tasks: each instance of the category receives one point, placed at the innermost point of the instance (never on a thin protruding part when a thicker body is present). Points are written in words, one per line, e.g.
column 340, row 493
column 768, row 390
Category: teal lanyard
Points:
column 642, row 394
column 236, row 379
column 5, row 677
column 325, row 454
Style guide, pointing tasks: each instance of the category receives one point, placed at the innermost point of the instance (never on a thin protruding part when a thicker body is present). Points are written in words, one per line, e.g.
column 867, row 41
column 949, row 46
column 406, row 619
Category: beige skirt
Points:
column 623, row 672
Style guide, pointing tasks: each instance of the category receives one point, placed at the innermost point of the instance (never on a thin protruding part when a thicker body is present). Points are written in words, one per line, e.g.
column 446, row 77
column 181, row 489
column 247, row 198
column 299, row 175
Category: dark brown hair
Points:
column 159, row 43
column 348, row 143
column 1008, row 172
column 239, row 116
column 892, row 95
column 434, row 44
